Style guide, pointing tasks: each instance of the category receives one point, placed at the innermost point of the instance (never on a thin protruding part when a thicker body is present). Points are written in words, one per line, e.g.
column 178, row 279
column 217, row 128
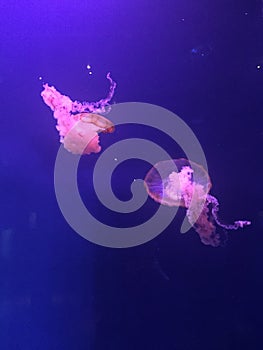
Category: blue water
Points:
column 201, row 60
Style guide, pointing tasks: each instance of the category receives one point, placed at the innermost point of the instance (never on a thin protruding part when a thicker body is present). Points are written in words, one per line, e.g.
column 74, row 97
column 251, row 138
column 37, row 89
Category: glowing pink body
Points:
column 79, row 123
column 188, row 186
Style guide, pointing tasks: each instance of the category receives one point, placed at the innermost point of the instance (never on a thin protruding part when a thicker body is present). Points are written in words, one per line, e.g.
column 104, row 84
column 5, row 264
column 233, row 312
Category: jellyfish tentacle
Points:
column 101, row 105
column 215, row 208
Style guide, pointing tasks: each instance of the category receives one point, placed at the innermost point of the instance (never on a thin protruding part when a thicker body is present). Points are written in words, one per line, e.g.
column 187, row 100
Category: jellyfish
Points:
column 79, row 123
column 180, row 182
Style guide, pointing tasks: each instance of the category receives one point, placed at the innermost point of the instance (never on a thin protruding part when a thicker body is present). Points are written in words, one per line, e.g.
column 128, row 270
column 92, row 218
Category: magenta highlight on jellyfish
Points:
column 79, row 123
column 180, row 182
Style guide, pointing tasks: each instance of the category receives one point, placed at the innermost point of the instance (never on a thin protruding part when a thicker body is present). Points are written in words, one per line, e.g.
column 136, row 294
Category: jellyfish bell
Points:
column 83, row 137
column 180, row 182
column 168, row 181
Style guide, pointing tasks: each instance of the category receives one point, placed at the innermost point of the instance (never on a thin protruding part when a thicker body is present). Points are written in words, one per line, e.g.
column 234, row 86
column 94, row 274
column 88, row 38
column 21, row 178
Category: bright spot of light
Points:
column 89, row 69
column 40, row 78
column 258, row 66
column 116, row 159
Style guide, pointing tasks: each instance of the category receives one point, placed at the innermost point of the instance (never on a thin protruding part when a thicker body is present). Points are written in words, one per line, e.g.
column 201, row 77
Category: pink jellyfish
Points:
column 79, row 124
column 181, row 182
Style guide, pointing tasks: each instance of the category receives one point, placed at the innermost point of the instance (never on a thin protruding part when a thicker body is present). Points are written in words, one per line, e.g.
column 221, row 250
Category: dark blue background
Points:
column 196, row 58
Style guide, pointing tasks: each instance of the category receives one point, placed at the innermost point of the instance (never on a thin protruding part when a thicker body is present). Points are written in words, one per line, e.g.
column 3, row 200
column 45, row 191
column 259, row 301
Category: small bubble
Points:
column 88, row 66
column 40, row 78
column 258, row 66
column 246, row 13
column 116, row 159
column 90, row 73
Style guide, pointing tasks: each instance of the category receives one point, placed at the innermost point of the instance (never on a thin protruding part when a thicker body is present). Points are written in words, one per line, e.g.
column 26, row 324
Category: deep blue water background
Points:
column 197, row 58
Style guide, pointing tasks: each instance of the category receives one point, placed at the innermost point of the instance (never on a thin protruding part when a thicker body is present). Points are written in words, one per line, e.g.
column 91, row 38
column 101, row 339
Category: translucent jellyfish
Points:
column 79, row 123
column 181, row 182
